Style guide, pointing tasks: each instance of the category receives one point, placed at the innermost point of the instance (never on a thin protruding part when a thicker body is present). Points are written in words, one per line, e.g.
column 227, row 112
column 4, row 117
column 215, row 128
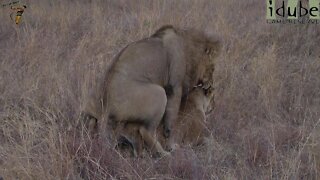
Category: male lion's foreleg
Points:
column 171, row 115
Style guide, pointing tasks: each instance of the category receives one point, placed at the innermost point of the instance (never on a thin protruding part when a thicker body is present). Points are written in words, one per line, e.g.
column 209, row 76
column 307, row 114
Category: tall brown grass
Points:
column 265, row 124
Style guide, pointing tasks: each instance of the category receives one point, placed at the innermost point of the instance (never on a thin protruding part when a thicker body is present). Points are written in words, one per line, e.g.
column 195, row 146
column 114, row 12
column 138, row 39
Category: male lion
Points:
column 149, row 77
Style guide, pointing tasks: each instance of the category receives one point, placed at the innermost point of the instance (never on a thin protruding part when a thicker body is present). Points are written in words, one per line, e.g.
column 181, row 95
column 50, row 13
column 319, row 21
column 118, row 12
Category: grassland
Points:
column 265, row 123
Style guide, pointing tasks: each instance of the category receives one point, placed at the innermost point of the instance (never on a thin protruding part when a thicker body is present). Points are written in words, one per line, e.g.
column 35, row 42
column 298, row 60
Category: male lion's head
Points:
column 201, row 50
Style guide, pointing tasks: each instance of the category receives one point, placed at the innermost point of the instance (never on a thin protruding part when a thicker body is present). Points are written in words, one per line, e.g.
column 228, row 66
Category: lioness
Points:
column 190, row 128
column 149, row 77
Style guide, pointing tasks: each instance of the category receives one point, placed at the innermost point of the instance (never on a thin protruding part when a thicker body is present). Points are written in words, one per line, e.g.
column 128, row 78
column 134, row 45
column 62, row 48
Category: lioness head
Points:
column 200, row 98
column 203, row 95
column 191, row 127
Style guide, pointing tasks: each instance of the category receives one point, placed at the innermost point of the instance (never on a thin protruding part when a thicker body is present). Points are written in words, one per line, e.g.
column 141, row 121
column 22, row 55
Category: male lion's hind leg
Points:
column 153, row 109
column 149, row 138
column 125, row 143
column 144, row 108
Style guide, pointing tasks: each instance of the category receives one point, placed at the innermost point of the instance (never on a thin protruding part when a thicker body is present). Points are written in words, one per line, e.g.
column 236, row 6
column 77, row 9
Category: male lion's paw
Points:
column 172, row 147
column 161, row 154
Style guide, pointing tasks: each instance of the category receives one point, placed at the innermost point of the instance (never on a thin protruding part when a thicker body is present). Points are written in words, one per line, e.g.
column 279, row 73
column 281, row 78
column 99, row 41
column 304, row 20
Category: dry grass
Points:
column 265, row 124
